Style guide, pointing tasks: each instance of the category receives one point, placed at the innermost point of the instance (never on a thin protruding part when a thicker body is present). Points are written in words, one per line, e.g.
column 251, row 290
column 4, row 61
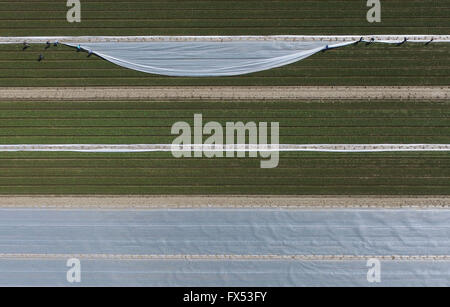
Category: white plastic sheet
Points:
column 206, row 58
column 225, row 247
column 225, row 148
column 41, row 272
column 209, row 56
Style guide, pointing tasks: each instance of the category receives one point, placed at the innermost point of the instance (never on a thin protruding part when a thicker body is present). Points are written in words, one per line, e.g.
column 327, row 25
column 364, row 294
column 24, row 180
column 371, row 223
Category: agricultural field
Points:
column 149, row 122
column 360, row 170
column 301, row 122
column 161, row 174
column 376, row 64
column 223, row 17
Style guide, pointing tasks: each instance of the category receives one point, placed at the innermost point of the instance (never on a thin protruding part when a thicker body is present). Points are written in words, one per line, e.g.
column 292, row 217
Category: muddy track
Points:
column 229, row 201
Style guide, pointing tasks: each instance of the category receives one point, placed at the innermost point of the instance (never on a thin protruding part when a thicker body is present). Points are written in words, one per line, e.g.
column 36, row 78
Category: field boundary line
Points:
column 124, row 202
column 129, row 148
column 227, row 93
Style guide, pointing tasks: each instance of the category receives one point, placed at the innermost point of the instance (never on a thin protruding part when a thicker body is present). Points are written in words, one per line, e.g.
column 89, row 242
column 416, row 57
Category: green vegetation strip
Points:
column 159, row 173
column 301, row 122
column 376, row 64
column 297, row 174
column 224, row 17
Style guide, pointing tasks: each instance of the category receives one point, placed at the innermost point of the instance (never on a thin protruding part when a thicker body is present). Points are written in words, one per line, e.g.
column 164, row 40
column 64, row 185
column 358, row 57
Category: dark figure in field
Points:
column 25, row 46
column 360, row 40
column 404, row 41
column 41, row 57
column 370, row 42
column 89, row 53
column 48, row 45
column 78, row 48
column 55, row 44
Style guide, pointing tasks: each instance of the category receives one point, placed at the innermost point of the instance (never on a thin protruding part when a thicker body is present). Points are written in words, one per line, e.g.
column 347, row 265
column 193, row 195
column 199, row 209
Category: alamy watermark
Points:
column 74, row 273
column 374, row 272
column 74, row 13
column 190, row 141
column 374, row 13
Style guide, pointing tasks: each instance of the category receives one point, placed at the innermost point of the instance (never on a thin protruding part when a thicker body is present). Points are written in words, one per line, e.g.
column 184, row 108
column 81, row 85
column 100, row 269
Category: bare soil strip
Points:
column 228, row 201
column 226, row 93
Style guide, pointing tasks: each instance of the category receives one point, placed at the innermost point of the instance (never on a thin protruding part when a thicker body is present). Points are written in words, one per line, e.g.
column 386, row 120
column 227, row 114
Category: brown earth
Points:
column 181, row 201
column 226, row 93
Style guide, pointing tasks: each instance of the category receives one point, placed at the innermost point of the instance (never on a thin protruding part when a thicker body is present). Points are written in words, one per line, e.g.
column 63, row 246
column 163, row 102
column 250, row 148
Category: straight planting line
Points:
column 128, row 148
column 230, row 257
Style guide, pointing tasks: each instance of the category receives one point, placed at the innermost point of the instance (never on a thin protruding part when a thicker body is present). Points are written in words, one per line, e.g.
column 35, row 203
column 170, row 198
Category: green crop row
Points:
column 410, row 64
column 25, row 122
column 20, row 18
column 159, row 173
column 150, row 122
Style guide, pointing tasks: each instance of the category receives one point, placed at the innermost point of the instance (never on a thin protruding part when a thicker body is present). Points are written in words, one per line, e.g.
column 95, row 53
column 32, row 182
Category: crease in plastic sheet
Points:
column 206, row 58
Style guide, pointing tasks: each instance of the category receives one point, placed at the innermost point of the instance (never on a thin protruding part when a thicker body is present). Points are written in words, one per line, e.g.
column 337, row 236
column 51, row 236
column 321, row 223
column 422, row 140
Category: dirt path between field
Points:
column 181, row 201
column 226, row 93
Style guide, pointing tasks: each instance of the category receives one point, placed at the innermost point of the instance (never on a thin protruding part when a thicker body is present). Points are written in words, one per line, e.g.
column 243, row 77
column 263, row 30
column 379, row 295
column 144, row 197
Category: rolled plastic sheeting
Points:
column 224, row 147
column 206, row 58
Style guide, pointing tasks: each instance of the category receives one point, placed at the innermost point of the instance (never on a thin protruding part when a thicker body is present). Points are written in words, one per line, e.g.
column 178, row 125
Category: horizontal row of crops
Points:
column 160, row 173
column 212, row 17
column 301, row 122
column 145, row 122
column 28, row 122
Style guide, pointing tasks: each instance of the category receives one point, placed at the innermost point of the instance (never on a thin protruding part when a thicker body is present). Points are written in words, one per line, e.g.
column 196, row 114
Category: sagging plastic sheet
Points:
column 206, row 58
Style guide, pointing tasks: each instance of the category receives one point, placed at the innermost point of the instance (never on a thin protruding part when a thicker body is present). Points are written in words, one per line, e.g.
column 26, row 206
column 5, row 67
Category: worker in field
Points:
column 41, row 57
column 25, row 46
column 402, row 42
column 360, row 40
column 326, row 48
column 370, row 42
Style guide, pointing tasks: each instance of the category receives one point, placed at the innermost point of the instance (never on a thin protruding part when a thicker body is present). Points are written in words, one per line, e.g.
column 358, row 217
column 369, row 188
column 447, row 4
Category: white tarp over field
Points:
column 213, row 56
column 206, row 58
